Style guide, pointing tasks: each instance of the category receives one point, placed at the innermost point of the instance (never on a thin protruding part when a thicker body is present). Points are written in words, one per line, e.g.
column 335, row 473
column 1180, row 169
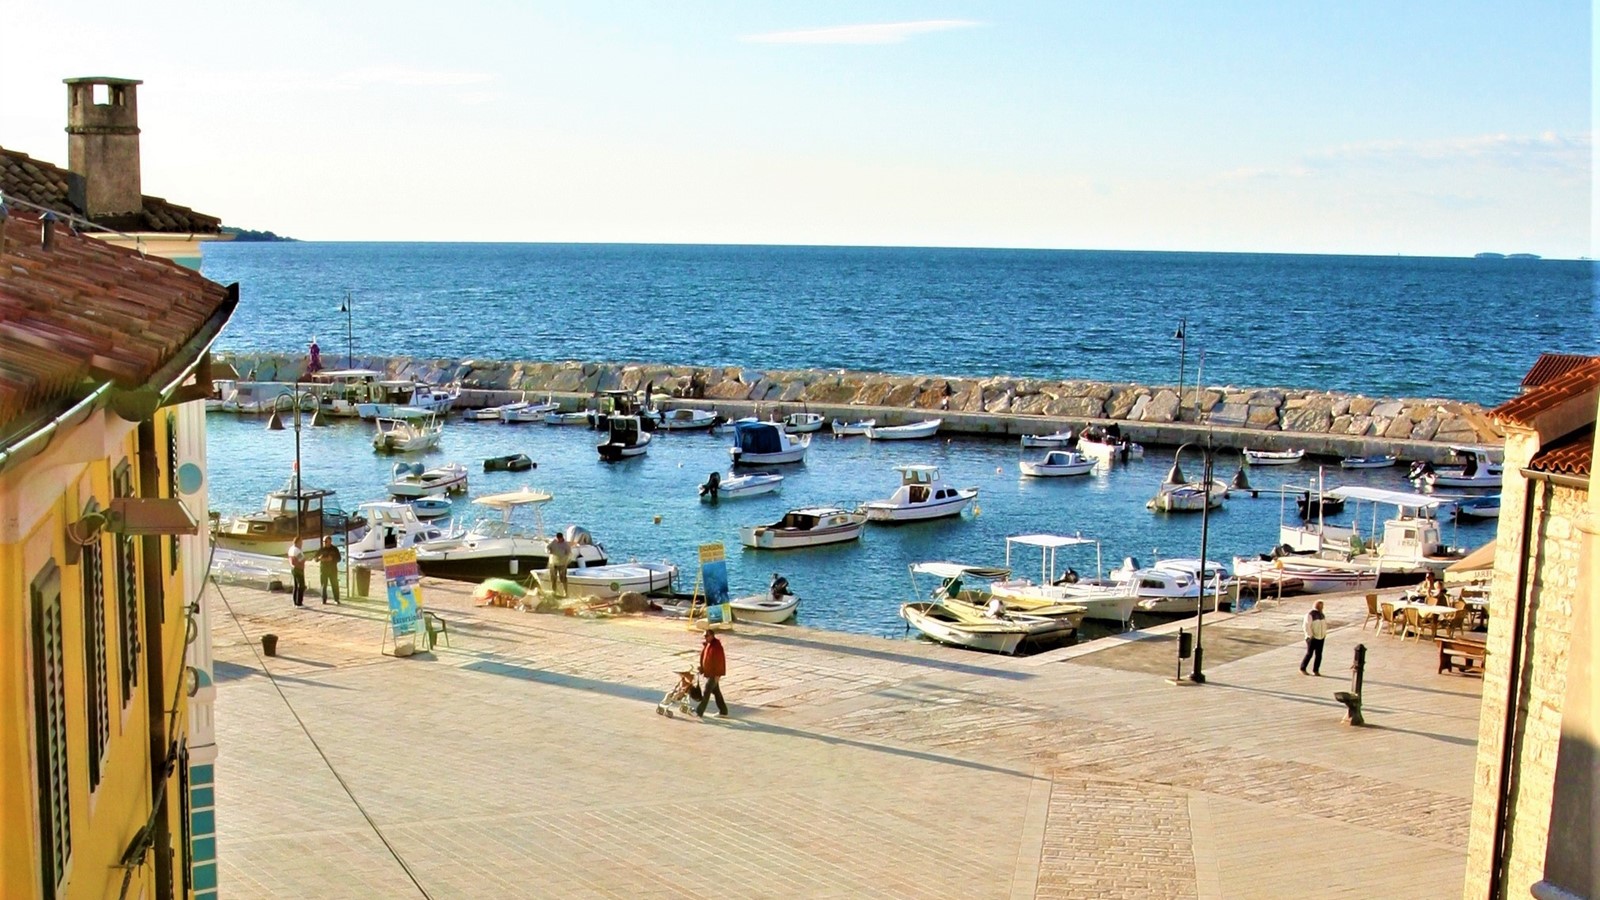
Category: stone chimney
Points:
column 103, row 146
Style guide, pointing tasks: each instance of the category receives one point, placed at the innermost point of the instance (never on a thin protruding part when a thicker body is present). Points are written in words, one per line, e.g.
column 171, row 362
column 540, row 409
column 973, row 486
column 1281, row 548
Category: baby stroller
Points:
column 686, row 691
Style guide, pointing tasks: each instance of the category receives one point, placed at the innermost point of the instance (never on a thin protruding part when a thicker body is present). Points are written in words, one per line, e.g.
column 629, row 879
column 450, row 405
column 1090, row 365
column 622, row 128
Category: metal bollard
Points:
column 1352, row 698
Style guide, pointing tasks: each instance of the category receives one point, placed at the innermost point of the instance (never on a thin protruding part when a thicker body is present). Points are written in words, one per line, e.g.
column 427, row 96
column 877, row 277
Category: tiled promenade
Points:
column 526, row 760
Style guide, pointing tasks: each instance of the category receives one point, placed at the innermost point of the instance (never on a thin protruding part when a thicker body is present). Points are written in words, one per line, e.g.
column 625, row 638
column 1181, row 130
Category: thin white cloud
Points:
column 882, row 33
column 402, row 76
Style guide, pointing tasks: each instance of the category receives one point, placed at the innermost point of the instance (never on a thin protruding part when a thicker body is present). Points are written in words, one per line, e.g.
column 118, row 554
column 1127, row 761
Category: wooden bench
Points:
column 1462, row 655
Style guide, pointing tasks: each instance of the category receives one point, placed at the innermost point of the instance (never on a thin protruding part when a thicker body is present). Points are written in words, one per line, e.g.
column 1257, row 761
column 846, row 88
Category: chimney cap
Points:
column 100, row 79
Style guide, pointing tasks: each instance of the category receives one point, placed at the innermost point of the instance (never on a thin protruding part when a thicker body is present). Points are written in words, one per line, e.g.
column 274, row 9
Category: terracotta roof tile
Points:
column 1574, row 381
column 1570, row 455
column 1552, row 366
column 39, row 182
column 88, row 311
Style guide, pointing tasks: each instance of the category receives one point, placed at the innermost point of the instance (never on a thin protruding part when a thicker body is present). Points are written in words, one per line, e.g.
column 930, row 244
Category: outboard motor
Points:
column 1070, row 576
column 780, row 587
column 713, row 483
column 578, row 535
column 1420, row 469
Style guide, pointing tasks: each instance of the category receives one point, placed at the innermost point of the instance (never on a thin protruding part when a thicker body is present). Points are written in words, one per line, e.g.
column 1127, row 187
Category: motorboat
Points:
column 1478, row 507
column 399, row 399
column 765, row 444
column 1273, row 457
column 390, row 526
column 580, row 417
column 1108, row 442
column 776, row 606
column 528, row 412
column 924, row 429
column 1402, row 546
column 806, row 527
column 922, row 495
column 803, row 422
column 1316, row 575
column 293, row 511
column 961, row 624
column 1477, row 471
column 615, row 579
column 1178, row 494
column 726, row 487
column 502, row 546
column 685, row 419
column 1101, row 599
column 1056, row 464
column 492, row 413
column 511, row 462
column 340, row 392
column 265, row 396
column 412, row 480
column 432, row 507
column 1172, row 586
column 1376, row 461
column 859, row 427
column 406, row 435
column 626, row 438
column 1054, row 440
column 972, row 587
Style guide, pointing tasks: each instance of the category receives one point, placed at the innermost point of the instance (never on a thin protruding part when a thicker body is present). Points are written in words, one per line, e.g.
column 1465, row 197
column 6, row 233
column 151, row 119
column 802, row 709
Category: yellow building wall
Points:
column 37, row 501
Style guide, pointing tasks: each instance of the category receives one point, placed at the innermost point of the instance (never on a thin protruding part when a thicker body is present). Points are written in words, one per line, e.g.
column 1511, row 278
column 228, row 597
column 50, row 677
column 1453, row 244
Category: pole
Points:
column 1197, row 669
column 349, row 333
column 1183, row 347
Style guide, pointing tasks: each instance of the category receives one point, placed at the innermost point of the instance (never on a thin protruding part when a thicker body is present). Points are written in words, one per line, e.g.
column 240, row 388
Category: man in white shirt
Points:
column 297, row 570
column 1316, row 631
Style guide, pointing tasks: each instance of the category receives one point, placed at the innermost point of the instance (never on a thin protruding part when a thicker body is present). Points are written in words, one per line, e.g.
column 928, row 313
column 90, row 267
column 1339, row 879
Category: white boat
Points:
column 529, row 412
column 1316, row 575
column 730, row 486
column 390, row 526
column 412, row 480
column 1101, row 599
column 1054, row 440
column 431, row 507
column 579, row 417
column 406, row 435
column 1273, row 457
column 1172, row 585
column 806, row 527
column 768, row 608
column 612, row 580
column 406, row 400
column 1401, row 547
column 491, row 413
column 1058, row 463
column 765, row 444
column 803, row 422
column 1478, row 507
column 1478, row 471
column 265, row 396
column 1189, row 496
column 340, row 392
column 961, row 624
column 685, row 419
column 842, row 428
column 626, row 438
column 922, row 495
column 503, row 547
column 1108, row 443
column 915, row 430
column 1378, row 461
column 289, row 512
column 971, row 589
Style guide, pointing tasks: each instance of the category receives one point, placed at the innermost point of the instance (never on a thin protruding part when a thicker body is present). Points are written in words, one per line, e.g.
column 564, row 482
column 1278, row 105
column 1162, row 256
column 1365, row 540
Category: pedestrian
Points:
column 297, row 571
column 1316, row 629
column 560, row 556
column 328, row 562
column 713, row 665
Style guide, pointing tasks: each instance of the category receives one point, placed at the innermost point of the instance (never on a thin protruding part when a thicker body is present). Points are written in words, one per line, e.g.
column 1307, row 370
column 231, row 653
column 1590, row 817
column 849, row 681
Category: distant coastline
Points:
column 246, row 235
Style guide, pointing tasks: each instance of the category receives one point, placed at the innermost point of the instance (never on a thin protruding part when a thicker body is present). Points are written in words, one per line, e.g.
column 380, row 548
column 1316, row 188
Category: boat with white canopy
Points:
column 1101, row 599
column 504, row 547
column 1401, row 546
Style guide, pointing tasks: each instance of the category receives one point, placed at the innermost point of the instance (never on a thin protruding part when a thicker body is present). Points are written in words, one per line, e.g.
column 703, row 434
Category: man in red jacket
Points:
column 713, row 665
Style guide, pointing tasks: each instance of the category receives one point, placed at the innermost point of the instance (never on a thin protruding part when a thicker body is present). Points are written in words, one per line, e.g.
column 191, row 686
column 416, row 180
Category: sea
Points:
column 1464, row 329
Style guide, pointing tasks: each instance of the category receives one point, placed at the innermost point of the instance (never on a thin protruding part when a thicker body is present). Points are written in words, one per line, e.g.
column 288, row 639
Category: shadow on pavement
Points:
column 886, row 656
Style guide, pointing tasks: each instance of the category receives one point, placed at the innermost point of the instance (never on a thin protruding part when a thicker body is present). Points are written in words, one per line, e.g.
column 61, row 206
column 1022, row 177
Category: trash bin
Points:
column 363, row 580
column 269, row 644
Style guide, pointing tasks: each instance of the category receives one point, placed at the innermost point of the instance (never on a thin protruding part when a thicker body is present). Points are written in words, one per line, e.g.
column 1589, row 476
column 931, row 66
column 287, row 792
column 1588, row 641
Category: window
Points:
column 96, row 702
column 50, row 730
column 127, row 575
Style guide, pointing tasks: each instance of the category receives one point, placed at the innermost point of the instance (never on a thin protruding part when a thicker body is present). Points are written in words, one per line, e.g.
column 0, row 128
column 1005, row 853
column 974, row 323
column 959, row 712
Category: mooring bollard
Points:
column 1352, row 698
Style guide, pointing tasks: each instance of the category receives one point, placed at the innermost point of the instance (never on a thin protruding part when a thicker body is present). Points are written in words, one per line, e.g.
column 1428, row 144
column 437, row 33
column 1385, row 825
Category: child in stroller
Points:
column 686, row 691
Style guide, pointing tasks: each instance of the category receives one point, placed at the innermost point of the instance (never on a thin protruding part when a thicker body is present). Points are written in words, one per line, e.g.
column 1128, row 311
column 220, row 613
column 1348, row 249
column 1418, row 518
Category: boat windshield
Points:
column 499, row 528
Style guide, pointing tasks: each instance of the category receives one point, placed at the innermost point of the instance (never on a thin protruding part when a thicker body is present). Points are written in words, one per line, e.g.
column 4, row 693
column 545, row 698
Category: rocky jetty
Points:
column 1306, row 412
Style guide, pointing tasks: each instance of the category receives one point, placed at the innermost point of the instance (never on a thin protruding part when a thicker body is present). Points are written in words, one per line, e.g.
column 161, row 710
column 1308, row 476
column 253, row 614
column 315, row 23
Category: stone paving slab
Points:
column 526, row 760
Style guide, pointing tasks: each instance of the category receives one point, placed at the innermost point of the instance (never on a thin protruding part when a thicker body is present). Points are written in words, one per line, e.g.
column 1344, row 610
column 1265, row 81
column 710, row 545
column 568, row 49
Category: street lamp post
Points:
column 349, row 331
column 1183, row 346
column 1197, row 672
column 275, row 423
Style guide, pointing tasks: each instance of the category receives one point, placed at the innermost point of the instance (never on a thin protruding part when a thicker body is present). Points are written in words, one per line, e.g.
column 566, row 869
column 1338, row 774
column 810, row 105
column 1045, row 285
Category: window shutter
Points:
column 50, row 729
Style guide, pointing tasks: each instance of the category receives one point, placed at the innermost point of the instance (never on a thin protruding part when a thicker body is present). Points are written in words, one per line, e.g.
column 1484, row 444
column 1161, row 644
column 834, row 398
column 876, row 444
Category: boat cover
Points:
column 1050, row 540
column 758, row 437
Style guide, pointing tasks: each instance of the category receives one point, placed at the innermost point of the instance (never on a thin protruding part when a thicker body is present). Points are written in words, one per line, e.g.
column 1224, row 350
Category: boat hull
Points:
column 613, row 580
column 765, row 537
column 888, row 513
column 792, row 455
column 762, row 608
column 915, row 431
column 1042, row 470
column 1048, row 441
column 919, row 616
column 1368, row 462
column 1271, row 458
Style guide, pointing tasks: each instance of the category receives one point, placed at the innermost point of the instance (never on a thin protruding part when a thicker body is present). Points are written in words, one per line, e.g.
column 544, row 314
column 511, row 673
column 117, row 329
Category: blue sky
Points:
column 1418, row 128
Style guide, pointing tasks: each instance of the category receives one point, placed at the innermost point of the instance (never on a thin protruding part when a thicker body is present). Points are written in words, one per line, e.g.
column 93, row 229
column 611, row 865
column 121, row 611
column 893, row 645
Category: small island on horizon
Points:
column 1492, row 255
column 247, row 235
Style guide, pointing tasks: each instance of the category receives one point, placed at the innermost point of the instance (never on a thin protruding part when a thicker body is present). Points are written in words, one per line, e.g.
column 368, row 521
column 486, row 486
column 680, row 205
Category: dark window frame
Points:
column 50, row 730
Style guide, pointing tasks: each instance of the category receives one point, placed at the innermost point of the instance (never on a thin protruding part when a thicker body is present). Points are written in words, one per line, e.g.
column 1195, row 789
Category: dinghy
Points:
column 1058, row 463
column 914, row 431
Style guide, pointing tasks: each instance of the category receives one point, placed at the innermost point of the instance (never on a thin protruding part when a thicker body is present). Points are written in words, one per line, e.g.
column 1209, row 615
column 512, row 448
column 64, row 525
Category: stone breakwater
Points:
column 994, row 405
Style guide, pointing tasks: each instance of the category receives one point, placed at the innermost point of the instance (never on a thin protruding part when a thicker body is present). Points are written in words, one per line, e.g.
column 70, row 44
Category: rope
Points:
column 318, row 747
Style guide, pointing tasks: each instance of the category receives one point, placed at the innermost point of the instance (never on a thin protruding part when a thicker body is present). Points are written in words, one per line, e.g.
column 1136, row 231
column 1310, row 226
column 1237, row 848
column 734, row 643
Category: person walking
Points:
column 560, row 556
column 1316, row 630
column 297, row 572
column 713, row 665
column 328, row 565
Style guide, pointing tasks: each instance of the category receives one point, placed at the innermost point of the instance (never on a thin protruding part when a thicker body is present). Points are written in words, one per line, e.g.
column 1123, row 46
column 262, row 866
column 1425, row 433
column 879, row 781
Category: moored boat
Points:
column 806, row 527
column 1375, row 461
column 1273, row 457
column 914, row 431
column 431, row 507
column 626, row 438
column 614, row 579
column 686, row 419
column 293, row 511
column 519, row 413
column 765, row 444
column 1056, row 464
column 567, row 418
column 511, row 462
column 922, row 495
column 413, row 480
column 842, row 428
column 1108, row 442
column 776, row 606
column 726, row 487
column 503, row 547
column 390, row 526
column 1101, row 599
column 406, row 435
column 803, row 422
column 1315, row 575
column 1050, row 441
column 1476, row 471
column 1487, row 507
column 1173, row 586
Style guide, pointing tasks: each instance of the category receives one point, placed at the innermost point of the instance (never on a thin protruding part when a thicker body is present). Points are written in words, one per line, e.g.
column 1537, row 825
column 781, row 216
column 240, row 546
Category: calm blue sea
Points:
column 1456, row 328
column 1385, row 326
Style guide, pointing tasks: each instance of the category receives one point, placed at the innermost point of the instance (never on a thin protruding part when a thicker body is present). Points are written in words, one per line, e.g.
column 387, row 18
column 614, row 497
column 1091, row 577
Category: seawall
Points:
column 1321, row 422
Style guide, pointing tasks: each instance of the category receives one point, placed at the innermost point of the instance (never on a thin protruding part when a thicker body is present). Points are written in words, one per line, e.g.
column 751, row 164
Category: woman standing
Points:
column 1316, row 630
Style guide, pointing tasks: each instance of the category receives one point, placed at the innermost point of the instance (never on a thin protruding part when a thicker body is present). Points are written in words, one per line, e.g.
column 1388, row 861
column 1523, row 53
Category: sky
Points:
column 1418, row 128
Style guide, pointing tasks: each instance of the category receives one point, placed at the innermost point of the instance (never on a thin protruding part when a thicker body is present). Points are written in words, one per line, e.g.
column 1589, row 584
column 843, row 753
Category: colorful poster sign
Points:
column 402, row 576
column 714, row 574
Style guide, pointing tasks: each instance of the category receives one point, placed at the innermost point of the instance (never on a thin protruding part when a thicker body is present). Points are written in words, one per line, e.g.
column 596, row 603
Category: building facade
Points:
column 105, row 742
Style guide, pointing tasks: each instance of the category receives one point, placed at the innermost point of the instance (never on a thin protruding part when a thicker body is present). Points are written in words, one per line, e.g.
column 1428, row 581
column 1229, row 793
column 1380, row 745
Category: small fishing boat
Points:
column 803, row 422
column 1273, row 457
column 776, row 606
column 1479, row 507
column 529, row 412
column 612, row 580
column 765, row 444
column 972, row 590
column 495, row 413
column 1050, row 441
column 1108, row 443
column 1477, row 471
column 806, row 527
column 413, row 480
column 922, row 495
column 1058, row 463
column 289, row 512
column 961, row 624
column 390, row 526
column 924, row 429
column 685, row 419
column 513, row 462
column 407, row 435
column 1101, row 599
column 431, row 507
column 1189, row 496
column 567, row 418
column 1172, row 585
column 1378, row 461
column 860, row 427
column 724, row 487
column 406, row 400
column 627, row 438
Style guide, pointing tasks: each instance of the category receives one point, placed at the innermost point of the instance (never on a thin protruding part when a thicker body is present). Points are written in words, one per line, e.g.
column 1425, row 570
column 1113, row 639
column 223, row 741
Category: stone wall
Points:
column 1351, row 416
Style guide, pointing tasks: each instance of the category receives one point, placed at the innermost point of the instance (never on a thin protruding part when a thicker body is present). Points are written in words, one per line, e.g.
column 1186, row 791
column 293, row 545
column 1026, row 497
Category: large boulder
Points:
column 1264, row 417
column 1362, row 406
column 902, row 393
column 1314, row 415
column 1231, row 414
column 1163, row 407
column 568, row 378
column 1122, row 400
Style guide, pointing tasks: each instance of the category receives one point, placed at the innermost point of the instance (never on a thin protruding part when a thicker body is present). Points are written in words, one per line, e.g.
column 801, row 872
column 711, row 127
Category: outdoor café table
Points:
column 1425, row 609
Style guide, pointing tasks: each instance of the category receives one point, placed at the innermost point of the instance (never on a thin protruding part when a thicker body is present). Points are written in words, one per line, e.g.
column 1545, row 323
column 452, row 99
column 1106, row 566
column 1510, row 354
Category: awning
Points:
column 1050, row 540
column 957, row 570
column 1477, row 563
